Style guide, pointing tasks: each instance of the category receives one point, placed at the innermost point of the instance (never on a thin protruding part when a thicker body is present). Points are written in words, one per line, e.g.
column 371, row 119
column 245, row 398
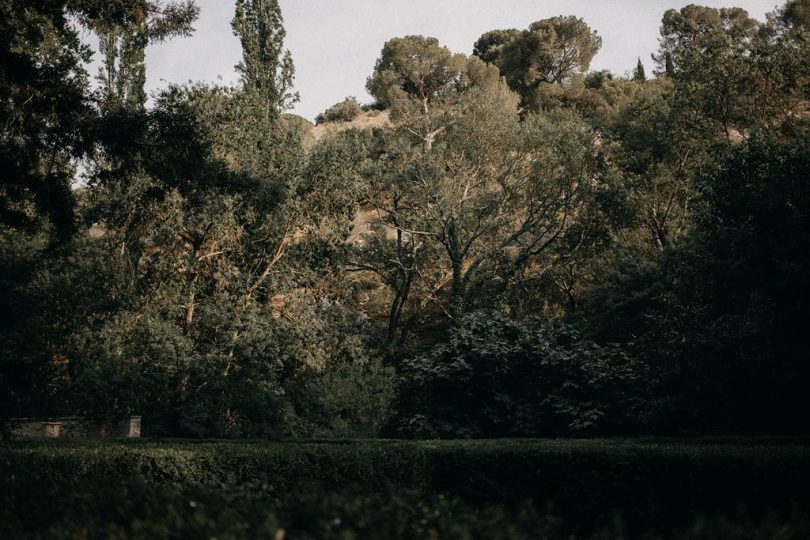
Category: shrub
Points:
column 347, row 401
column 345, row 111
column 496, row 377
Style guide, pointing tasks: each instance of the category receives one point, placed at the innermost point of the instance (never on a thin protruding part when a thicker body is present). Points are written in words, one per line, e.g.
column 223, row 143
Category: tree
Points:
column 550, row 51
column 490, row 45
column 779, row 66
column 43, row 101
column 708, row 53
column 419, row 80
column 50, row 122
column 740, row 74
column 414, row 67
column 124, row 31
column 489, row 205
column 717, row 321
column 46, row 100
column 46, row 96
column 236, row 250
column 702, row 30
column 639, row 73
column 266, row 68
column 797, row 13
column 659, row 150
column 746, row 268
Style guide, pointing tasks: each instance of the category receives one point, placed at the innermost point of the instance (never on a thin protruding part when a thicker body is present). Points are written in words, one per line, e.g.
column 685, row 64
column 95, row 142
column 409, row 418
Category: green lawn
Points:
column 708, row 488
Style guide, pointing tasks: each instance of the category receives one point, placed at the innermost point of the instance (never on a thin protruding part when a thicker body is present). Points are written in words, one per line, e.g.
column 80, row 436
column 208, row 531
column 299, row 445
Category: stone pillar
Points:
column 134, row 430
column 51, row 430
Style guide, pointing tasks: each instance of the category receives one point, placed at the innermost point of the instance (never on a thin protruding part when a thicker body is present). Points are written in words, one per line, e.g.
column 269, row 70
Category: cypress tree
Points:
column 639, row 74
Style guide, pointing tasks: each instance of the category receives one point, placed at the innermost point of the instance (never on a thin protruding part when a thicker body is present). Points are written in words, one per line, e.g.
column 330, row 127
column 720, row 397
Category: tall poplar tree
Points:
column 267, row 68
column 124, row 31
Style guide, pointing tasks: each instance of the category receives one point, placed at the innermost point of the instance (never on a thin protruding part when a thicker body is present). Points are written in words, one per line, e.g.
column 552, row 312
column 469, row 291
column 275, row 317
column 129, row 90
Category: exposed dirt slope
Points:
column 367, row 120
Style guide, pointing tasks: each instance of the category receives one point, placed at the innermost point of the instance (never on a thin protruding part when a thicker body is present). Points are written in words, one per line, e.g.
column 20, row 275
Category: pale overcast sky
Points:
column 336, row 42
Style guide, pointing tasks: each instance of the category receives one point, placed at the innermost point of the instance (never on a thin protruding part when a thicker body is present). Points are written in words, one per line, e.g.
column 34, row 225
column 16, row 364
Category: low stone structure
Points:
column 73, row 428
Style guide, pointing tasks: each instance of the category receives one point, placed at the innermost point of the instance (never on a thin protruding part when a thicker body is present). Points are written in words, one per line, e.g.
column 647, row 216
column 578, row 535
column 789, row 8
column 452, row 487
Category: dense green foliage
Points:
column 496, row 489
column 42, row 103
column 519, row 247
column 495, row 377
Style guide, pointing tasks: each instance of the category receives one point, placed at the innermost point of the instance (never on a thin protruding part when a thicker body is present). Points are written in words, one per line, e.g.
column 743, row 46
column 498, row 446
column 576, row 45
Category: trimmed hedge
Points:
column 401, row 489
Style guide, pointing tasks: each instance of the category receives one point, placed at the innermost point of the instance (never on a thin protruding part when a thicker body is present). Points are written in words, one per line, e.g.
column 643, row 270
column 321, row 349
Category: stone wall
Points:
column 75, row 428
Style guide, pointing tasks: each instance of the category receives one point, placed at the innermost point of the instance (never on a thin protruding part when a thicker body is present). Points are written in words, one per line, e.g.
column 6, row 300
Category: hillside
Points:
column 367, row 120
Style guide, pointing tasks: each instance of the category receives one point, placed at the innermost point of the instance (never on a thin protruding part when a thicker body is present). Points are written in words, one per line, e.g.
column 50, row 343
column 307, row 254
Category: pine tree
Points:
column 267, row 69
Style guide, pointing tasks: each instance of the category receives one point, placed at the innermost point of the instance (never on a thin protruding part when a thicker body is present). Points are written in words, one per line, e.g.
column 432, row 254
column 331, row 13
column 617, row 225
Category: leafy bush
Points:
column 495, row 377
column 348, row 401
column 345, row 111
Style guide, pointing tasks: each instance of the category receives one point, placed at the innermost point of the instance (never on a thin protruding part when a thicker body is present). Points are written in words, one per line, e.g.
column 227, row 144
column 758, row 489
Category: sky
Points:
column 335, row 43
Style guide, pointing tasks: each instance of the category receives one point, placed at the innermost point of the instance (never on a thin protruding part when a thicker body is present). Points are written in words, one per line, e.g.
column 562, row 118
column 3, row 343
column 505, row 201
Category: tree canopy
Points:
column 266, row 67
column 551, row 51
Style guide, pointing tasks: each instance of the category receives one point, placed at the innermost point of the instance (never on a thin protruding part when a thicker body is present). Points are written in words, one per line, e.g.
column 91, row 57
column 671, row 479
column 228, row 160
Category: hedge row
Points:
column 405, row 489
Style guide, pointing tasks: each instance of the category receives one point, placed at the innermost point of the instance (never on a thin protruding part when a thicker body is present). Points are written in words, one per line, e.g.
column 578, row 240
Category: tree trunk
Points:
column 457, row 285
